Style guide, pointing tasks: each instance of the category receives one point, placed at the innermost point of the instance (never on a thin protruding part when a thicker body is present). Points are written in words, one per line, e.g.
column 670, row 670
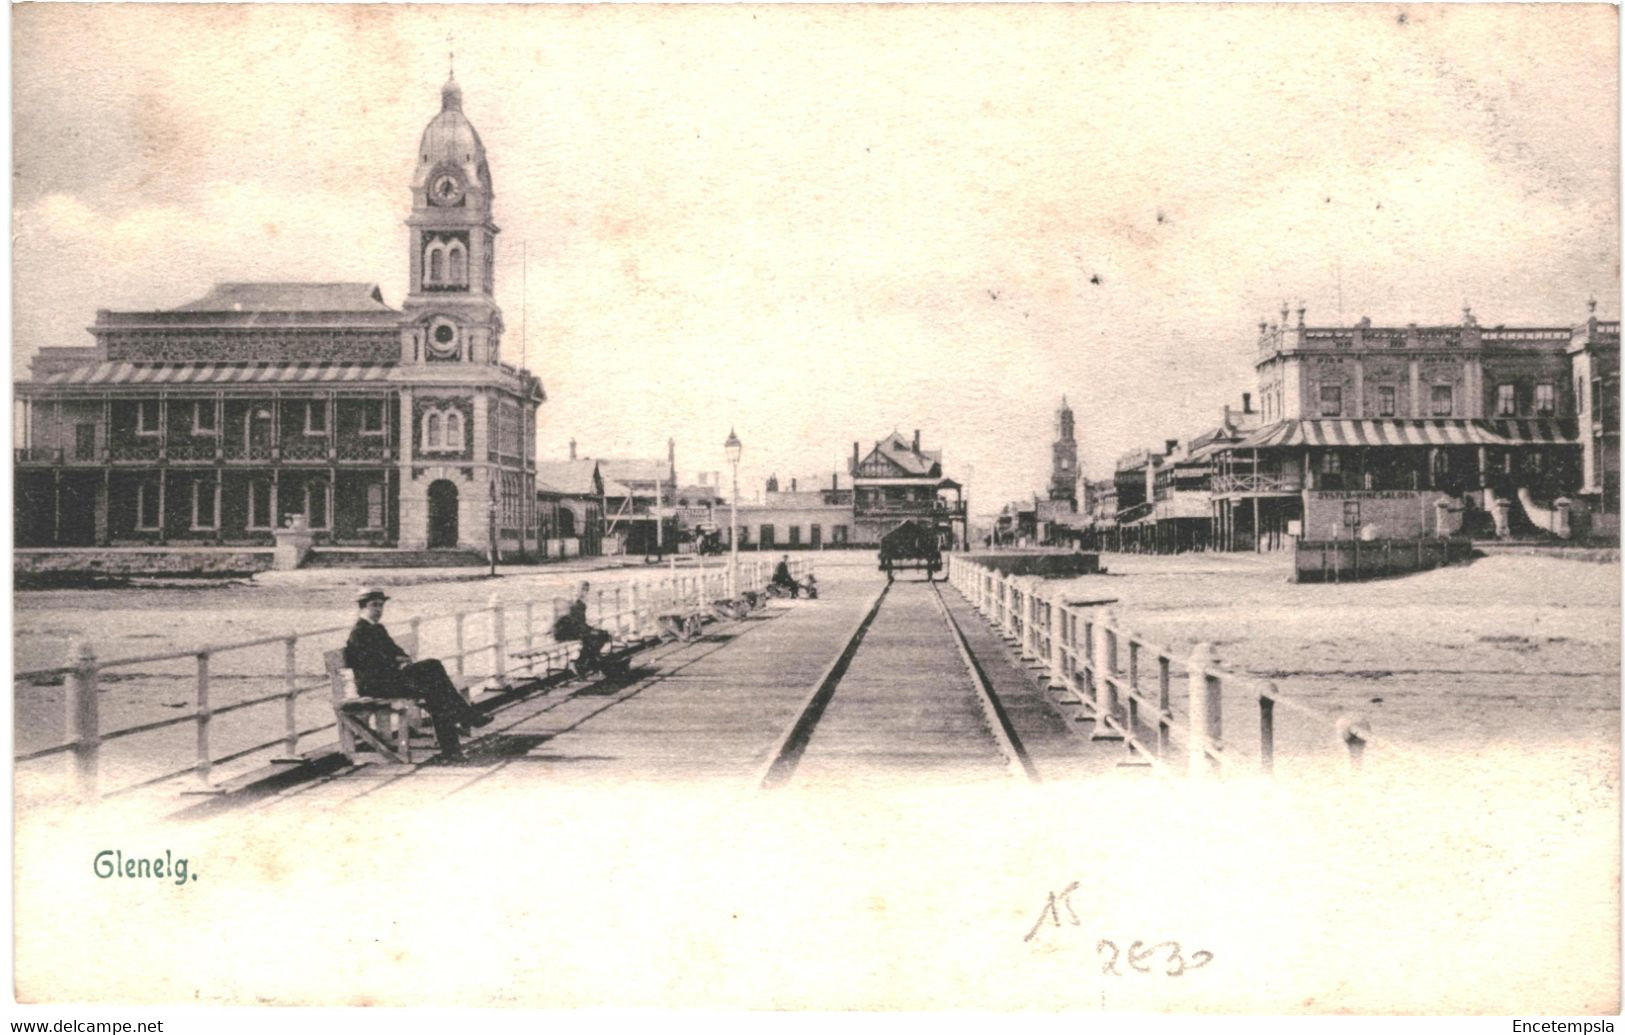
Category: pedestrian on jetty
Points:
column 573, row 625
column 784, row 580
column 383, row 669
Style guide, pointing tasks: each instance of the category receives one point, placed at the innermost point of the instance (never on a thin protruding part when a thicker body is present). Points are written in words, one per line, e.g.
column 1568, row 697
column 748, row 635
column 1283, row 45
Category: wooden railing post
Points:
column 1354, row 732
column 499, row 642
column 290, row 680
column 1057, row 643
column 620, row 615
column 458, row 619
column 83, row 718
column 1029, row 639
column 530, row 624
column 1203, row 711
column 1165, row 714
column 1105, row 673
column 1266, row 727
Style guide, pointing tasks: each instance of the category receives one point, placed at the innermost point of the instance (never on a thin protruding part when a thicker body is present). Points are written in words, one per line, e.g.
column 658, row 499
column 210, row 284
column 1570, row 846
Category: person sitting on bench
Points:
column 809, row 586
column 572, row 625
column 784, row 580
column 383, row 669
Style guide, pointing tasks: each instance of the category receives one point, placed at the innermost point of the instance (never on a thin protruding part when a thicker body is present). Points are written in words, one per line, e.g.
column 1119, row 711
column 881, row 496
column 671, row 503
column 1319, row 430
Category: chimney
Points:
column 792, row 485
column 1169, row 445
column 916, row 441
column 572, row 449
column 834, row 481
column 1246, row 402
column 854, row 458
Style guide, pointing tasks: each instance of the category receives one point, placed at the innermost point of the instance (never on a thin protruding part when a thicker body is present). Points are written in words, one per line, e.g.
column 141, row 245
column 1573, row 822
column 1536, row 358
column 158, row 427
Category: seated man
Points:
column 382, row 669
column 810, row 586
column 572, row 625
column 784, row 580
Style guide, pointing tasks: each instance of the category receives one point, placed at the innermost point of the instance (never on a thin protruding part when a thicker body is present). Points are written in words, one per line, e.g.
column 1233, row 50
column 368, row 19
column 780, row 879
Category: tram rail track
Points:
column 943, row 713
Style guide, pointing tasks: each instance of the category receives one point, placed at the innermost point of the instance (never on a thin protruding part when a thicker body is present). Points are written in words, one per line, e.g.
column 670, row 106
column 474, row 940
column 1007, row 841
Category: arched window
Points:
column 454, row 430
column 457, row 263
column 436, row 273
column 433, row 436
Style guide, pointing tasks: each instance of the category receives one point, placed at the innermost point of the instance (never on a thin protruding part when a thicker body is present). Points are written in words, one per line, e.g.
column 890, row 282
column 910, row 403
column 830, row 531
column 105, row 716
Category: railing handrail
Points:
column 1116, row 698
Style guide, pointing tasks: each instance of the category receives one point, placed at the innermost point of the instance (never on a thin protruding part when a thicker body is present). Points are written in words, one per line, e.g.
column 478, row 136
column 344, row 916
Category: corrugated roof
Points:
column 292, row 297
column 634, row 470
column 570, row 477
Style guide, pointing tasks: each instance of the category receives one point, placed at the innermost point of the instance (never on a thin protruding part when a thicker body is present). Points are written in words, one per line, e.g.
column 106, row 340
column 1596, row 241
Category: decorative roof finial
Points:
column 451, row 55
column 1591, row 305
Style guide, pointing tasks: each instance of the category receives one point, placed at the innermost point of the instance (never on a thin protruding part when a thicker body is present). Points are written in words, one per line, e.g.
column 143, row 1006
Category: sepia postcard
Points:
column 1053, row 509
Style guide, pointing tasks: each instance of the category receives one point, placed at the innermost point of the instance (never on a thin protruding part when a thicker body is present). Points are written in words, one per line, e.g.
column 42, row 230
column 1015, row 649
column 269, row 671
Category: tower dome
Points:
column 450, row 140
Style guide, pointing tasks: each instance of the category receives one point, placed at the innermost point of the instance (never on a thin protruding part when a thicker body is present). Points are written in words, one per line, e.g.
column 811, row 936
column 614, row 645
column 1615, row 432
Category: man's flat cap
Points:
column 369, row 596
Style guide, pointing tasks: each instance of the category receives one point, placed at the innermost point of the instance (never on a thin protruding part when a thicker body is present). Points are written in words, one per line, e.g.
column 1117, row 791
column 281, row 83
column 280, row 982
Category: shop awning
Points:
column 1331, row 433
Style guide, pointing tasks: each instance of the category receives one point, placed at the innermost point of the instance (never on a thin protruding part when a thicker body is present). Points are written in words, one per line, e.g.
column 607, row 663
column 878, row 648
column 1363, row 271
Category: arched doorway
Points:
column 442, row 515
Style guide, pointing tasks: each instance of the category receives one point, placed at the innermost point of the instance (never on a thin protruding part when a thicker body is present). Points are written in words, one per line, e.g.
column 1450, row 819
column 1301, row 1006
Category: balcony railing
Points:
column 1257, row 483
column 195, row 449
column 372, row 448
column 305, row 449
column 917, row 509
column 36, row 455
column 237, row 449
column 138, row 450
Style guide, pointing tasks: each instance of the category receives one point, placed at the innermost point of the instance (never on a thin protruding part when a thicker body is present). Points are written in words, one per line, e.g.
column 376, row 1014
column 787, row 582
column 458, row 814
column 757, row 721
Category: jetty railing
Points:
column 271, row 693
column 1125, row 683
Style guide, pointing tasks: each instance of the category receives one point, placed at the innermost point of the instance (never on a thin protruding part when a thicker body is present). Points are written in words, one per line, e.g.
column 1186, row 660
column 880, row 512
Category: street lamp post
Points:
column 733, row 448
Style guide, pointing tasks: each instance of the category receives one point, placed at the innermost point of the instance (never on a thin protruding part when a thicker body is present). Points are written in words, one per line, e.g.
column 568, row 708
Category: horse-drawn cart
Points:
column 911, row 546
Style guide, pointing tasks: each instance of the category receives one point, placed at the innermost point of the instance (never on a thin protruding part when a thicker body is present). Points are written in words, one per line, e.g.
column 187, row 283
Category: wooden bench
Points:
column 386, row 724
column 555, row 656
column 616, row 660
column 682, row 626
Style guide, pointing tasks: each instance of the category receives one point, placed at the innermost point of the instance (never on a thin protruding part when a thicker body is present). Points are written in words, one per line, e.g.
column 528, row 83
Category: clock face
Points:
column 442, row 340
column 445, row 190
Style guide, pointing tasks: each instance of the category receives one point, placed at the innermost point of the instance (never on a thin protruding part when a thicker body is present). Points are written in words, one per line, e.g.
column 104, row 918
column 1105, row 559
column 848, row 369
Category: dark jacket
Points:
column 374, row 656
column 782, row 576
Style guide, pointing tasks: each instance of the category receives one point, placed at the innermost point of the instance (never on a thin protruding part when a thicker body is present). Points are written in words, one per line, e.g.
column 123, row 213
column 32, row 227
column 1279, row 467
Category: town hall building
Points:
column 223, row 419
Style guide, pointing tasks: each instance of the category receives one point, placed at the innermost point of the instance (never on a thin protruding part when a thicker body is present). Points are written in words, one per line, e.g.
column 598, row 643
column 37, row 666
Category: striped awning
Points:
column 1324, row 433
column 120, row 374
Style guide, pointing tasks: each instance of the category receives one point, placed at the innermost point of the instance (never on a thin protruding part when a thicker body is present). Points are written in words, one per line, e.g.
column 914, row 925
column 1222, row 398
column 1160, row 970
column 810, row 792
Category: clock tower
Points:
column 451, row 306
column 1064, row 457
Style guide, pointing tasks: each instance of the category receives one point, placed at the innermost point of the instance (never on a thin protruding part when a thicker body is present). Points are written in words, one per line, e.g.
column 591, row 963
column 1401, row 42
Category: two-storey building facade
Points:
column 219, row 421
column 1365, row 429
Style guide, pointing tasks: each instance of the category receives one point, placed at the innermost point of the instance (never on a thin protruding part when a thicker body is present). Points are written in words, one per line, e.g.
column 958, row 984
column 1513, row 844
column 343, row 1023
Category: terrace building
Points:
column 223, row 419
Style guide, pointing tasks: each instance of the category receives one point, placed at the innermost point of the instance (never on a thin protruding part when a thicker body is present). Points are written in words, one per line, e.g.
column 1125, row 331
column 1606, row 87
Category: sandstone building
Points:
column 260, row 403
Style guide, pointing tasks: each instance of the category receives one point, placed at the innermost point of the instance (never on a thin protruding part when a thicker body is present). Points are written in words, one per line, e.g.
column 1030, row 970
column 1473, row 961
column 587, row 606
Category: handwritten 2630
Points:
column 1164, row 957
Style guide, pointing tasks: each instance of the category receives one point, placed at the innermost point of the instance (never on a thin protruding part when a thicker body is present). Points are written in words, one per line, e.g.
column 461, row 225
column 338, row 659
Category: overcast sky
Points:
column 815, row 225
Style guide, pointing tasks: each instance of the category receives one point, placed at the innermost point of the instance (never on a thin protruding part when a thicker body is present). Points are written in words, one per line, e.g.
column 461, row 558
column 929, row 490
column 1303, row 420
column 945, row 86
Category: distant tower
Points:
column 1063, row 477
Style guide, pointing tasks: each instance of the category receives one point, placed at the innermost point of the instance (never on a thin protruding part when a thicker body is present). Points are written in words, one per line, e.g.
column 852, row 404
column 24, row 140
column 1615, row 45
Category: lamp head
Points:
column 733, row 447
